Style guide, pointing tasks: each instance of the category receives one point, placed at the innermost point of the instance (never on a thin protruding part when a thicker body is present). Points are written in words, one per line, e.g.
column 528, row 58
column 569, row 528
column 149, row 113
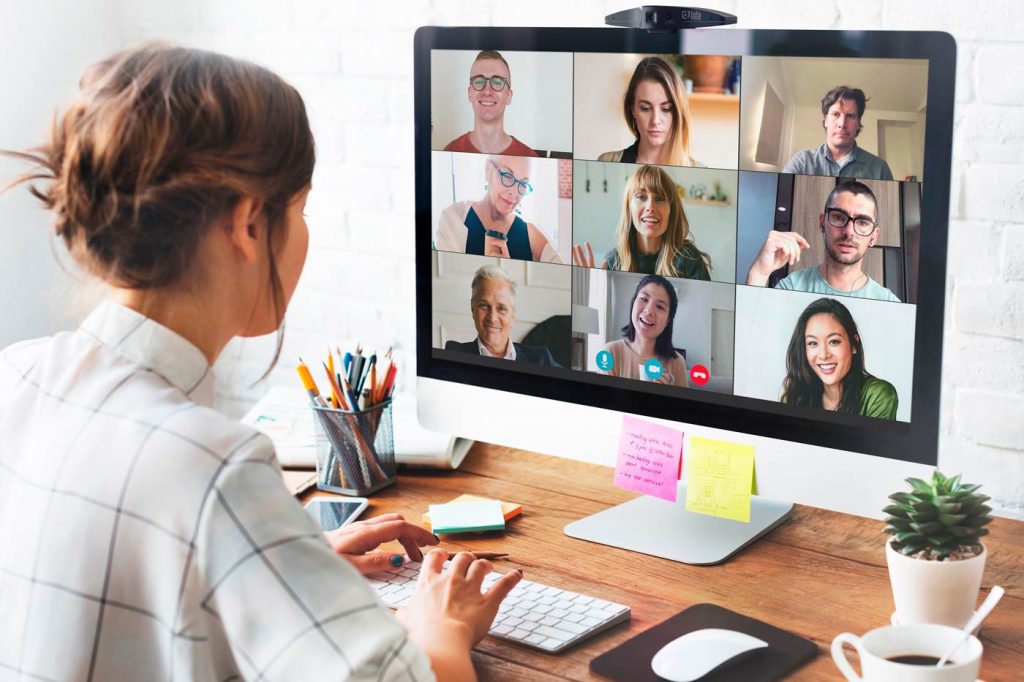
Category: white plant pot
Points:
column 942, row 592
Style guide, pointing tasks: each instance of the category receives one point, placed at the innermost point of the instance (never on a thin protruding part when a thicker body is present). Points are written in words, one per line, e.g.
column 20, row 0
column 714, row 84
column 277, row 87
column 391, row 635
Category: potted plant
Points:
column 935, row 556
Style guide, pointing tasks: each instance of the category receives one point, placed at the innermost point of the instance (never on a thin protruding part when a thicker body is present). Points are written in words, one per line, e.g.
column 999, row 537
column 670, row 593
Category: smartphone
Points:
column 333, row 513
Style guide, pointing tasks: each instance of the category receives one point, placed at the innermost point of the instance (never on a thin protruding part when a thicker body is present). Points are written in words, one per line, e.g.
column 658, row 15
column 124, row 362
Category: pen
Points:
column 364, row 374
column 357, row 365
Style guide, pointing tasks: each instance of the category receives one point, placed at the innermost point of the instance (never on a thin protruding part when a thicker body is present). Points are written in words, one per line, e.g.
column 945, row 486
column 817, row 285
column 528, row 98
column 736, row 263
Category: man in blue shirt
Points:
column 842, row 110
column 849, row 228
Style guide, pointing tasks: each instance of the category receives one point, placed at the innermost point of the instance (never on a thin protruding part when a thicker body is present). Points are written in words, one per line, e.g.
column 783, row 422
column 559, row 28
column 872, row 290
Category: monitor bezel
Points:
column 916, row 441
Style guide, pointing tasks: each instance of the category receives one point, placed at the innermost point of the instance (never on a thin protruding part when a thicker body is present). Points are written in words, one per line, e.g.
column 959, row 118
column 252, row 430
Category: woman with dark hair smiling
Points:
column 825, row 365
column 645, row 350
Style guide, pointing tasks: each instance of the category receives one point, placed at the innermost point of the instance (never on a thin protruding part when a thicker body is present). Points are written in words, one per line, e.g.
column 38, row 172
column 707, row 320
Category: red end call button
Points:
column 699, row 375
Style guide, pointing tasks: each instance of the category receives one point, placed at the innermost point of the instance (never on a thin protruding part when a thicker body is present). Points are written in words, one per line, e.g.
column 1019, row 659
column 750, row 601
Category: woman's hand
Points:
column 583, row 256
column 447, row 614
column 495, row 247
column 357, row 541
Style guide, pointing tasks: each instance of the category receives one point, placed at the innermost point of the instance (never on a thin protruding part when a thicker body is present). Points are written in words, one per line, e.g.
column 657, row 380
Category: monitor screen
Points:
column 743, row 229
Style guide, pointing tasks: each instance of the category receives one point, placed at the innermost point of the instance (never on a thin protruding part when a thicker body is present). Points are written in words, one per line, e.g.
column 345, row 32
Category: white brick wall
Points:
column 353, row 63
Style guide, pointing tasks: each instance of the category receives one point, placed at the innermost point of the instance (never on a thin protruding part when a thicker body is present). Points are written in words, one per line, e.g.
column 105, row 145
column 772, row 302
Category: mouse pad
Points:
column 631, row 660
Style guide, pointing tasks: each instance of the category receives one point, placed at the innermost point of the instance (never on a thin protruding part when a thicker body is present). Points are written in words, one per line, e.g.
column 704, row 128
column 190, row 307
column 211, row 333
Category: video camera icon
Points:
column 653, row 369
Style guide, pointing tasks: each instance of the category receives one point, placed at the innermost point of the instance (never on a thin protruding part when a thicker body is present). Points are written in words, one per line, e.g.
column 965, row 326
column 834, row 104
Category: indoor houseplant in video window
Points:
column 935, row 554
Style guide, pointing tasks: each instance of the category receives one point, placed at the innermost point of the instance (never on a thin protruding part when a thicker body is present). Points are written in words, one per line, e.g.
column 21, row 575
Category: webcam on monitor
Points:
column 660, row 18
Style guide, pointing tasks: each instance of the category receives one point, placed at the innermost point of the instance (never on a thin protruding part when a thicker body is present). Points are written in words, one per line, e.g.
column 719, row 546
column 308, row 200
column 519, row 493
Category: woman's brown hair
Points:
column 161, row 141
column 659, row 71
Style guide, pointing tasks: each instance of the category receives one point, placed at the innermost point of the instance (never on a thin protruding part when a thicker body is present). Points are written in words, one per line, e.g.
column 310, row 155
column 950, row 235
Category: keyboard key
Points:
column 519, row 634
column 560, row 635
column 501, row 630
column 534, row 638
column 550, row 644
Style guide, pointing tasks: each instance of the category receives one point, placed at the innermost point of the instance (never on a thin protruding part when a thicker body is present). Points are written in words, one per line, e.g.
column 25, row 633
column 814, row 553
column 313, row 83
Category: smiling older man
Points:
column 493, row 304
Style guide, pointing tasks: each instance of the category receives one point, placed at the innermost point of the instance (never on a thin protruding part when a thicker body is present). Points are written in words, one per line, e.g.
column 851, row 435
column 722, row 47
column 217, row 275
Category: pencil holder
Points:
column 355, row 451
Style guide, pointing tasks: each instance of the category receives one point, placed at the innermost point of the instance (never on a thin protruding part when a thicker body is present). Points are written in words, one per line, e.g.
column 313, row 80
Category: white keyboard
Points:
column 533, row 614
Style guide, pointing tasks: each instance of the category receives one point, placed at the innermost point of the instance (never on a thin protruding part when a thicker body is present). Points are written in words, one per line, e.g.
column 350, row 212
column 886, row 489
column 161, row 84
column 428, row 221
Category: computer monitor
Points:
column 739, row 232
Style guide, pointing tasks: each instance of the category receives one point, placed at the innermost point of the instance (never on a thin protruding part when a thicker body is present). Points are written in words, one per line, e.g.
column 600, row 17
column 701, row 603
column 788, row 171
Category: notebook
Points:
column 631, row 660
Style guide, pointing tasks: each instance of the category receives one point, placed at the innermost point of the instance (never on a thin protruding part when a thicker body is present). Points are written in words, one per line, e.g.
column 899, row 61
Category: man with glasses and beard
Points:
column 489, row 93
column 849, row 227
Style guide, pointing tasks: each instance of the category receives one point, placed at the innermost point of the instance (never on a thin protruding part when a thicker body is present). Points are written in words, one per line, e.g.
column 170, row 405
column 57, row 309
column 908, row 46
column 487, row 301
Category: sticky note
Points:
column 719, row 478
column 508, row 509
column 649, row 458
column 464, row 517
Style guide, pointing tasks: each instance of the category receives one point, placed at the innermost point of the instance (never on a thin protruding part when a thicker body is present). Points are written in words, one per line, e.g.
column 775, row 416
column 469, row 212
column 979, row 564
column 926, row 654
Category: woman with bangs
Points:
column 657, row 112
column 653, row 236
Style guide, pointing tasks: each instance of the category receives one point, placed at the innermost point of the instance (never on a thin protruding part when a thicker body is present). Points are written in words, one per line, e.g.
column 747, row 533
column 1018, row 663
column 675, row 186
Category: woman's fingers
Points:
column 432, row 564
column 502, row 586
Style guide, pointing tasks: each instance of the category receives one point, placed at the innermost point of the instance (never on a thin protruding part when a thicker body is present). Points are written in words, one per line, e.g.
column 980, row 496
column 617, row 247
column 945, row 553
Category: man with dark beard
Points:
column 849, row 228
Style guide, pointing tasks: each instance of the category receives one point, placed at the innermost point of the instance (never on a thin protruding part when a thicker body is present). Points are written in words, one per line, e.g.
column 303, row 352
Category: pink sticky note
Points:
column 649, row 458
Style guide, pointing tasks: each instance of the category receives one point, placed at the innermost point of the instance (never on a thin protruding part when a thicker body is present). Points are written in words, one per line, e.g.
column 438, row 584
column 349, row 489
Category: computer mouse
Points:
column 695, row 654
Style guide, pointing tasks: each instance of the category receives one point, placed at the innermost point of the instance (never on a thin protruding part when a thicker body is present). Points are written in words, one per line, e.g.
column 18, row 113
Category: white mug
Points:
column 876, row 647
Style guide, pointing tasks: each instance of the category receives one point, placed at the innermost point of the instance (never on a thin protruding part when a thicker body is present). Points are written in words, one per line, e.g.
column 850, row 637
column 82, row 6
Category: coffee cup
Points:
column 908, row 653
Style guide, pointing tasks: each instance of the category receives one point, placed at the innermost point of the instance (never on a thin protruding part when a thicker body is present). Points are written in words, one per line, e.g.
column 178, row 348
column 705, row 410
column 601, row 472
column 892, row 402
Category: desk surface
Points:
column 819, row 574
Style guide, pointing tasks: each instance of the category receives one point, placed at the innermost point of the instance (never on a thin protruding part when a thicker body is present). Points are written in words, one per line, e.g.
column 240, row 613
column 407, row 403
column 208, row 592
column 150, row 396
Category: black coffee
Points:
column 913, row 659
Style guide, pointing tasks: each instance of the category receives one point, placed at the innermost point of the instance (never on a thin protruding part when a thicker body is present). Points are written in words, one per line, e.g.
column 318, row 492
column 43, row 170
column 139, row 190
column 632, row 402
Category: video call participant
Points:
column 489, row 93
column 648, row 334
column 182, row 555
column 490, row 226
column 825, row 365
column 849, row 228
column 657, row 112
column 843, row 112
column 493, row 305
column 653, row 236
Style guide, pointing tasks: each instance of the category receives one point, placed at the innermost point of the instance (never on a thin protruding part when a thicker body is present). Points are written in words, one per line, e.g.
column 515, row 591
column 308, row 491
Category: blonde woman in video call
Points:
column 491, row 225
column 146, row 535
column 653, row 235
column 657, row 112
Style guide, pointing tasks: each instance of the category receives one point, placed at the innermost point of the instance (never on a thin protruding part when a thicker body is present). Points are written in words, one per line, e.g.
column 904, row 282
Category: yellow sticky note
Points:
column 719, row 478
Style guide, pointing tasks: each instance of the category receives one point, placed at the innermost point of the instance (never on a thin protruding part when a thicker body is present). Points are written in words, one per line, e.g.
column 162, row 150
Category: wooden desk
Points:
column 819, row 574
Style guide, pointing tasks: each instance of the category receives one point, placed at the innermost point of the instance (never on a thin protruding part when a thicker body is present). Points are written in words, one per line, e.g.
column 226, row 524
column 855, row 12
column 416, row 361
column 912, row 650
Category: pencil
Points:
column 309, row 384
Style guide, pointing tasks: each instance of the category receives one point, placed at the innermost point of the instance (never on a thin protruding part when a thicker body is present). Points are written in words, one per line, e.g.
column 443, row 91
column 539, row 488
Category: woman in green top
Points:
column 825, row 365
column 653, row 235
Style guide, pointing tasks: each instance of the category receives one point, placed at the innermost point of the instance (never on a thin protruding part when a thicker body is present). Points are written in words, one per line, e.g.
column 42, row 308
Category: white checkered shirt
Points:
column 144, row 536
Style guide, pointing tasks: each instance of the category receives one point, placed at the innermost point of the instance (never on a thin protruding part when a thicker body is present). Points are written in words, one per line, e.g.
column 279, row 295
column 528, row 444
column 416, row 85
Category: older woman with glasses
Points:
column 490, row 226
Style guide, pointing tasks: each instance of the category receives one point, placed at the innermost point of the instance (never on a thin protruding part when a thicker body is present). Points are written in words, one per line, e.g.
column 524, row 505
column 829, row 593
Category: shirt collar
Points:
column 510, row 354
column 853, row 155
column 151, row 345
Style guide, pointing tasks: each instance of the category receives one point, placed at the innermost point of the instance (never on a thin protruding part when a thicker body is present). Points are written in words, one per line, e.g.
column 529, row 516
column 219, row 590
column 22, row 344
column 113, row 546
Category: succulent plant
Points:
column 941, row 516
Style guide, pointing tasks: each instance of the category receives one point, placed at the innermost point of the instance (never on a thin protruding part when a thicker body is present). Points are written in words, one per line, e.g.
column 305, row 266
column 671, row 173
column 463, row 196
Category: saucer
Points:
column 893, row 620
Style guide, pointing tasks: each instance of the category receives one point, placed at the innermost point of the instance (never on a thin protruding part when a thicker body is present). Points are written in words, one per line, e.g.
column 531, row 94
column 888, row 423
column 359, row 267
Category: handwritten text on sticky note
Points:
column 649, row 457
column 719, row 478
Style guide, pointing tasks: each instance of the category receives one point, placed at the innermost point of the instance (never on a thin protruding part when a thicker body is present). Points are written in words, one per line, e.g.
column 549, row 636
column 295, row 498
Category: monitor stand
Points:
column 665, row 529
